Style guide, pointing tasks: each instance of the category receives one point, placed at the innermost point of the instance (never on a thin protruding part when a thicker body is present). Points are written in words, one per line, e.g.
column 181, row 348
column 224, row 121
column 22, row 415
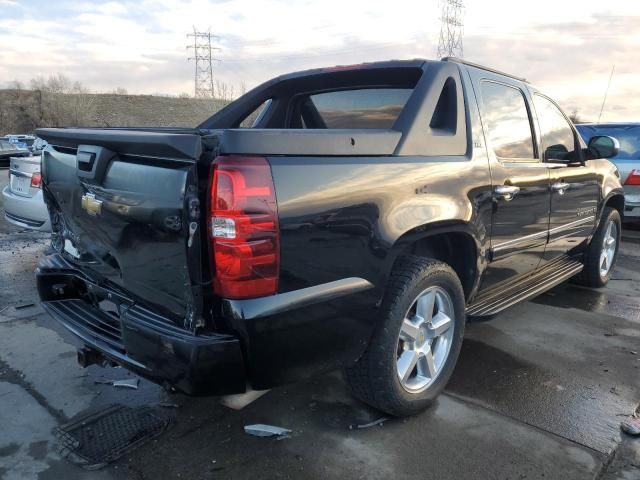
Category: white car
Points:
column 23, row 202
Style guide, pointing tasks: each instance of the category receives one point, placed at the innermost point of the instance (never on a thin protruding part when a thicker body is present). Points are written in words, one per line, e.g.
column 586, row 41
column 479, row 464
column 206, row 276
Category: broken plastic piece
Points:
column 127, row 383
column 168, row 405
column 631, row 427
column 261, row 430
column 102, row 381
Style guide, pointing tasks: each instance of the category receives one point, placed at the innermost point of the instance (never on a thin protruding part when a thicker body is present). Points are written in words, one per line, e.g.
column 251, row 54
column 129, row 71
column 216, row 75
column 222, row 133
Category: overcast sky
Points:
column 567, row 48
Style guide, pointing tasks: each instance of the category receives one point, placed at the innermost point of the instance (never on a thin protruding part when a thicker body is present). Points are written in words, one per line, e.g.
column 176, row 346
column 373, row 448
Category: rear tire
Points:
column 602, row 252
column 416, row 343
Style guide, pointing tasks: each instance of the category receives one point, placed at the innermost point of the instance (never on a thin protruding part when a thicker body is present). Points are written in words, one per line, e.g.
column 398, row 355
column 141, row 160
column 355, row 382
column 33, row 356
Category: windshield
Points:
column 628, row 136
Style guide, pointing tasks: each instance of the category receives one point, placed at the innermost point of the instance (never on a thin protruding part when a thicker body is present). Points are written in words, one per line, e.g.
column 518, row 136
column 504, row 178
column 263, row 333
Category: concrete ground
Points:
column 539, row 392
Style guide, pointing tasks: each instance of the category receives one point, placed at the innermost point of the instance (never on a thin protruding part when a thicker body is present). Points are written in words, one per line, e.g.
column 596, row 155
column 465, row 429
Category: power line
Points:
column 202, row 55
column 451, row 29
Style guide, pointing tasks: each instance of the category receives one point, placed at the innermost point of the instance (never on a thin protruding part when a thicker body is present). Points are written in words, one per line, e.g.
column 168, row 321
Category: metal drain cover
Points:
column 97, row 439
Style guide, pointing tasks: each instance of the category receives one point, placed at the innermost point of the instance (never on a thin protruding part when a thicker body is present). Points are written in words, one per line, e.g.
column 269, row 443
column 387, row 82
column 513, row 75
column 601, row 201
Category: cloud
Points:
column 572, row 61
column 141, row 45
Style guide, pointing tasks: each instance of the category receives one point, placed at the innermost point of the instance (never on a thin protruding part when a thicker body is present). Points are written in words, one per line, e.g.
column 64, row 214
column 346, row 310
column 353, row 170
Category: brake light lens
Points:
column 245, row 237
column 633, row 178
column 36, row 180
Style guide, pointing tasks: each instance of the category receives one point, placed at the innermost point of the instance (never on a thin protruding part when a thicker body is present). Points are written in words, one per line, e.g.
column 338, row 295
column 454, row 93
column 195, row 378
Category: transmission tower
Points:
column 201, row 51
column 451, row 29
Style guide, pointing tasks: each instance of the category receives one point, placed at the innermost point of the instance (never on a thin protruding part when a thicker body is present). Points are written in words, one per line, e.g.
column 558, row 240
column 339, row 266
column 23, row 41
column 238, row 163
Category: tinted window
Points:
column 507, row 121
column 251, row 119
column 557, row 134
column 365, row 108
column 628, row 136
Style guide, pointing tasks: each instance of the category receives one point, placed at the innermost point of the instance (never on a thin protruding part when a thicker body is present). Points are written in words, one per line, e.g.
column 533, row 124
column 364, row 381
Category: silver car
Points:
column 23, row 202
column 627, row 160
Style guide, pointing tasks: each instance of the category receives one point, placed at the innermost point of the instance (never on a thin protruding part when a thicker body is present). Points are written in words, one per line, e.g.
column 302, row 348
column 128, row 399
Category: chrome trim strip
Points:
column 510, row 243
column 548, row 234
column 576, row 223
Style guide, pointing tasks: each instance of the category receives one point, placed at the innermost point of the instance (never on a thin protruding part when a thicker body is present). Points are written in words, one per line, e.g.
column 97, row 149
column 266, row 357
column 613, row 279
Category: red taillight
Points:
column 36, row 180
column 245, row 237
column 633, row 178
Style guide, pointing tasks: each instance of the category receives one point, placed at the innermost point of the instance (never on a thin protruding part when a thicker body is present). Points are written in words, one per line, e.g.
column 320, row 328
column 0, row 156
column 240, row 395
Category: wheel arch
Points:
column 615, row 199
column 456, row 243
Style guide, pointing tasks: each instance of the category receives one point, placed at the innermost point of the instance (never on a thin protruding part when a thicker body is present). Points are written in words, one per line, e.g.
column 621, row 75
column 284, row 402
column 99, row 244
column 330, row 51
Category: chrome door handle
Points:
column 560, row 187
column 507, row 192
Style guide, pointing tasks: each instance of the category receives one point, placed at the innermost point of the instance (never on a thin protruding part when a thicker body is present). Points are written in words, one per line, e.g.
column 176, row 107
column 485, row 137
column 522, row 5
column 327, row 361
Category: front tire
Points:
column 602, row 252
column 416, row 343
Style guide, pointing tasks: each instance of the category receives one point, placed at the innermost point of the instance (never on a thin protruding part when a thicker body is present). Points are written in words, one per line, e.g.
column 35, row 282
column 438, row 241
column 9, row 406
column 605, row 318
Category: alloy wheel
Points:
column 425, row 339
column 608, row 252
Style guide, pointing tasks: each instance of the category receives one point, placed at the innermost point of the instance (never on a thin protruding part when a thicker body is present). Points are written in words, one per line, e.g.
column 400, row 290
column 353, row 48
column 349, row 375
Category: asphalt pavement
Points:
column 539, row 392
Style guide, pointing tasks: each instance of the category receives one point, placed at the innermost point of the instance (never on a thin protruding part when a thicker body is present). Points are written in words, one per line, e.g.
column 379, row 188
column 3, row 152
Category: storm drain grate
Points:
column 99, row 438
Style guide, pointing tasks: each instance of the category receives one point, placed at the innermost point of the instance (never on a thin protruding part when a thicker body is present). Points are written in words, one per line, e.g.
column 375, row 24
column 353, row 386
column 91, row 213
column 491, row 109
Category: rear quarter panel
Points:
column 345, row 217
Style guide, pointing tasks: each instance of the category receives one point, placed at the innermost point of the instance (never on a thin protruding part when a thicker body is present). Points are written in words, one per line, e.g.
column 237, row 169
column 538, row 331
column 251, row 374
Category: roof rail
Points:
column 482, row 67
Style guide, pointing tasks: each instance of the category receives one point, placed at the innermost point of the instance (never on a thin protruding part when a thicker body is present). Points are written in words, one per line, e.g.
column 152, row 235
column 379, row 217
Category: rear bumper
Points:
column 632, row 205
column 140, row 340
column 277, row 339
column 26, row 212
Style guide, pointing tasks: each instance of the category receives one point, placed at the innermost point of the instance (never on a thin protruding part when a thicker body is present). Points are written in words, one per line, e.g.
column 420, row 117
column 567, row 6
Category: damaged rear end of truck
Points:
column 128, row 273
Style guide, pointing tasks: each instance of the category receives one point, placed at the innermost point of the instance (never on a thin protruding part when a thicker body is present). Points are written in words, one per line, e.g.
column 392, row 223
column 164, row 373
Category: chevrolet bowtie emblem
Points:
column 91, row 205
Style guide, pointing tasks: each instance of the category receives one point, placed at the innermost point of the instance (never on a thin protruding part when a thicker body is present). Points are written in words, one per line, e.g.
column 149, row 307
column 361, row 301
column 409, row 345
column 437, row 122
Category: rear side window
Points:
column 557, row 135
column 251, row 120
column 362, row 108
column 506, row 121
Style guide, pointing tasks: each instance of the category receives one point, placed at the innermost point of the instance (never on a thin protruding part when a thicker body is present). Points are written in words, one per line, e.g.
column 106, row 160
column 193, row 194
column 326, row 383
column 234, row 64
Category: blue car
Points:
column 627, row 160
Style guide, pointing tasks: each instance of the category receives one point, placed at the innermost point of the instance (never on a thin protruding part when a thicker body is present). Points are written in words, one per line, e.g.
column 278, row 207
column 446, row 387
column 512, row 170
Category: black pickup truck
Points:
column 351, row 217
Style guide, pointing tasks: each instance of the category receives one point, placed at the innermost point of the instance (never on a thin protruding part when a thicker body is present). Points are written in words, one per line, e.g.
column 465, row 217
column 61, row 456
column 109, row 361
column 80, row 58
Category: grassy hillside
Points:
column 22, row 111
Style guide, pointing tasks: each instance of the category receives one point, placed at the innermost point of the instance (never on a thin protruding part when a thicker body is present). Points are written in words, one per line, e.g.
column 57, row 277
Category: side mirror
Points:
column 603, row 146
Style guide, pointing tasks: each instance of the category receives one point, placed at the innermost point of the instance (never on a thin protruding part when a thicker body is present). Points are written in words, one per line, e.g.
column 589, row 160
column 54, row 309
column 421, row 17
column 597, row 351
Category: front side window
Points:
column 557, row 134
column 362, row 108
column 507, row 121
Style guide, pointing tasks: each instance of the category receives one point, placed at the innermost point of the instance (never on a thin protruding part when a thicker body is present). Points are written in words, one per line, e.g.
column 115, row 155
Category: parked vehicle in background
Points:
column 23, row 142
column 627, row 160
column 8, row 150
column 367, row 211
column 23, row 201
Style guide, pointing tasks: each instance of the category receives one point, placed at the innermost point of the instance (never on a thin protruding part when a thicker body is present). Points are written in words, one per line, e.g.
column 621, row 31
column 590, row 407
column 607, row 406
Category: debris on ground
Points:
column 631, row 427
column 96, row 439
column 240, row 400
column 127, row 383
column 168, row 405
column 377, row 422
column 103, row 381
column 24, row 305
column 262, row 430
